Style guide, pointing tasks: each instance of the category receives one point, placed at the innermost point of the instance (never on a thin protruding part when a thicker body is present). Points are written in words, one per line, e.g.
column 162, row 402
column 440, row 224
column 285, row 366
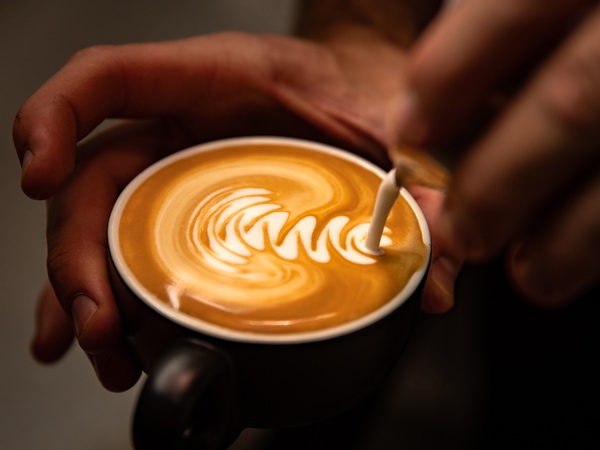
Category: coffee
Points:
column 263, row 237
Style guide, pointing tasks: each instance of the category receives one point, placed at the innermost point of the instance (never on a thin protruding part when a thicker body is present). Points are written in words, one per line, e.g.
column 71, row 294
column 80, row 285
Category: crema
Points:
column 266, row 238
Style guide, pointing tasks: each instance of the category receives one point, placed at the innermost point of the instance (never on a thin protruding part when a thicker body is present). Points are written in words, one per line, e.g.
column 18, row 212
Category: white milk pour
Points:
column 386, row 196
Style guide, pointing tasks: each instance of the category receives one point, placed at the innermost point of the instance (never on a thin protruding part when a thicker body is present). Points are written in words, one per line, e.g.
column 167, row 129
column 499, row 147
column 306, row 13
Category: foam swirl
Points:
column 266, row 239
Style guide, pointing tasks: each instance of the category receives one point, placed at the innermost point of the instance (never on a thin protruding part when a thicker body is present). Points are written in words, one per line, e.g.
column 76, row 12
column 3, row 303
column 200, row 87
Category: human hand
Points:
column 529, row 184
column 179, row 94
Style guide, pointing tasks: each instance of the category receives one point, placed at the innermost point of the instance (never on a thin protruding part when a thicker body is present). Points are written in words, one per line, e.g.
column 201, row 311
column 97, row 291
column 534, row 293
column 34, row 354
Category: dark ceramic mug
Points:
column 204, row 387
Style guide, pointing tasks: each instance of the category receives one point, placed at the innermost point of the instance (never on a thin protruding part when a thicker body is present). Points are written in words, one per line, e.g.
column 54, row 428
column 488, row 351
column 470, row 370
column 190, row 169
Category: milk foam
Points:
column 247, row 220
column 267, row 239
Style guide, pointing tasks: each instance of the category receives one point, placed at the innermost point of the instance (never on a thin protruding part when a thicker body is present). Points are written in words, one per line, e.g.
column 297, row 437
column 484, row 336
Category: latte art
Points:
column 266, row 239
column 228, row 227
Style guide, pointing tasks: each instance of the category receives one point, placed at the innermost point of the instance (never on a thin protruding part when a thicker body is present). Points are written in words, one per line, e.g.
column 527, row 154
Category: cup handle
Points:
column 188, row 401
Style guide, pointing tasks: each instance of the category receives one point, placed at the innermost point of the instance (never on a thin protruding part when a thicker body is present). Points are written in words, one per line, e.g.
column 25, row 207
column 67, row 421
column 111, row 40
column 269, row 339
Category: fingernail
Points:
column 412, row 125
column 83, row 309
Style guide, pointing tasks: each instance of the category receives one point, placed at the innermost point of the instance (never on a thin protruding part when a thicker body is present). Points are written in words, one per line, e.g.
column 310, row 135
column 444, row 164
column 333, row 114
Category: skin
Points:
column 341, row 91
column 528, row 185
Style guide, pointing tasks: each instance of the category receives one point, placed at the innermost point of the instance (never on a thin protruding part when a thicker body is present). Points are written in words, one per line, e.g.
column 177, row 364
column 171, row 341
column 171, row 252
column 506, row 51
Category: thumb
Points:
column 438, row 293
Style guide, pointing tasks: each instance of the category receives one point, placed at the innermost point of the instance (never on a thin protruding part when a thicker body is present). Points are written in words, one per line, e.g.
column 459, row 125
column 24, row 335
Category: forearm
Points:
column 397, row 21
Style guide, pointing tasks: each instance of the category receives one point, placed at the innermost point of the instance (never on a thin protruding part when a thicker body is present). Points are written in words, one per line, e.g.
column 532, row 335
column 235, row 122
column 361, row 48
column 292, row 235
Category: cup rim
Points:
column 216, row 331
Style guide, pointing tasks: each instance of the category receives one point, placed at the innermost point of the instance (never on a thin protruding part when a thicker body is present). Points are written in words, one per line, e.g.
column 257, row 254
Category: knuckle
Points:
column 99, row 65
column 91, row 54
column 57, row 261
column 477, row 202
column 571, row 96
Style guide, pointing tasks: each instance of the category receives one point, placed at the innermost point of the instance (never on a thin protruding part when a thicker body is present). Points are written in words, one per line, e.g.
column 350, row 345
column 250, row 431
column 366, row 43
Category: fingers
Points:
column 77, row 243
column 54, row 335
column 214, row 86
column 77, row 269
column 536, row 154
column 137, row 80
column 115, row 368
column 53, row 329
column 438, row 294
column 560, row 261
column 469, row 53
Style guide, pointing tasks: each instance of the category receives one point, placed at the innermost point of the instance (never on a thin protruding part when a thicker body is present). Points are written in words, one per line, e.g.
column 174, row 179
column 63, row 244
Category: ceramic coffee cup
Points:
column 245, row 291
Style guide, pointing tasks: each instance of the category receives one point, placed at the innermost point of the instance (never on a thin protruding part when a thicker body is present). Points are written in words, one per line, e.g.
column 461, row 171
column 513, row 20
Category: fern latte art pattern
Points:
column 245, row 221
column 266, row 239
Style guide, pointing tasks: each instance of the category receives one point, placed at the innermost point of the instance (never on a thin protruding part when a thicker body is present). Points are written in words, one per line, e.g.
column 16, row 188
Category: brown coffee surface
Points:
column 266, row 238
